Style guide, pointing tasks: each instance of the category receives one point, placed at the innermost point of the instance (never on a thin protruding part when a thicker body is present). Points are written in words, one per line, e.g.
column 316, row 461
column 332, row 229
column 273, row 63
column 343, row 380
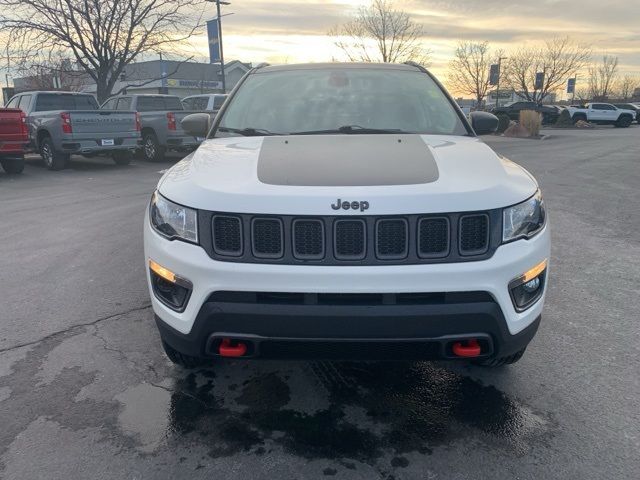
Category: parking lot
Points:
column 86, row 391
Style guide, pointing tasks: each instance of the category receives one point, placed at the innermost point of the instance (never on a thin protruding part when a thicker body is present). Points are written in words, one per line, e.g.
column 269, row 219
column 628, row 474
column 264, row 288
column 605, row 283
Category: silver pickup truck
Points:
column 65, row 123
column 160, row 118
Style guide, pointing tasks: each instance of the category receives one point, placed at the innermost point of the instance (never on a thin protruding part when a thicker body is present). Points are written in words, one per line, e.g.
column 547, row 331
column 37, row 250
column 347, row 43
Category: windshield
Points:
column 339, row 100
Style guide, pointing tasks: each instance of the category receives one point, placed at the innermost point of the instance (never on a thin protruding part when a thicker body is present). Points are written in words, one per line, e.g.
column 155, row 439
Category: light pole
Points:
column 218, row 3
column 163, row 76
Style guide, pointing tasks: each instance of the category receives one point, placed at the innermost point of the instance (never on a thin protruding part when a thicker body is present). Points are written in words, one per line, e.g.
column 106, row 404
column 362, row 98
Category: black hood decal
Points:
column 346, row 160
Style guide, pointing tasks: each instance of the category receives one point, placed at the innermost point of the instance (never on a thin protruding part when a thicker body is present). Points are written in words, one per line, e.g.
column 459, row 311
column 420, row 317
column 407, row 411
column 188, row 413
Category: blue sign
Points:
column 539, row 81
column 213, row 33
column 571, row 85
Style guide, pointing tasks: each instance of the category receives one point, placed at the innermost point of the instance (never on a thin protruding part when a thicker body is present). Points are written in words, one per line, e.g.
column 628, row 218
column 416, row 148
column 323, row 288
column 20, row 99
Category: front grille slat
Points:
column 474, row 234
column 227, row 235
column 351, row 240
column 267, row 237
column 433, row 237
column 308, row 239
column 392, row 239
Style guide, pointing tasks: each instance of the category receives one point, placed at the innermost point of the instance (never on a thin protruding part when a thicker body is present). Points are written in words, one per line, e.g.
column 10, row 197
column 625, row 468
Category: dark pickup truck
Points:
column 512, row 110
column 13, row 139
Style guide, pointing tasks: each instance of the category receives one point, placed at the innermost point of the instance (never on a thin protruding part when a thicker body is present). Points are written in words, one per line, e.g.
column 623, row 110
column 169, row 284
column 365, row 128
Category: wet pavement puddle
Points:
column 357, row 411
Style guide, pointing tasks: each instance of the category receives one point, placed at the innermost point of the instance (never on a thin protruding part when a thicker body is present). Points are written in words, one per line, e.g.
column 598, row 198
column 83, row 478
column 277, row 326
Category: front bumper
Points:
column 206, row 319
column 349, row 332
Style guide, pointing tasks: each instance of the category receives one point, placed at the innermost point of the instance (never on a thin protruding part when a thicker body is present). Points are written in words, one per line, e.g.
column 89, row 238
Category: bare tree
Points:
column 103, row 36
column 469, row 70
column 583, row 95
column 8, row 56
column 50, row 73
column 626, row 86
column 558, row 58
column 381, row 33
column 602, row 77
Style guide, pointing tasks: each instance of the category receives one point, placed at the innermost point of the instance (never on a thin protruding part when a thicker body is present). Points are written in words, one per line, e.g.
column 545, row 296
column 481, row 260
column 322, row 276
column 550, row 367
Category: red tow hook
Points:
column 228, row 350
column 468, row 350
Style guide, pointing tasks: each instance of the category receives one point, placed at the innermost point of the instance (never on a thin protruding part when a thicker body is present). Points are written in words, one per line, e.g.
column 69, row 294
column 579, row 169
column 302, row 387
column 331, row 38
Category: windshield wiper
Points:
column 352, row 130
column 248, row 132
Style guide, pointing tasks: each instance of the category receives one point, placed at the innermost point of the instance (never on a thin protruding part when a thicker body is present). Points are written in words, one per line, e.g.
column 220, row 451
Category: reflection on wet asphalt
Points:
column 108, row 389
column 372, row 408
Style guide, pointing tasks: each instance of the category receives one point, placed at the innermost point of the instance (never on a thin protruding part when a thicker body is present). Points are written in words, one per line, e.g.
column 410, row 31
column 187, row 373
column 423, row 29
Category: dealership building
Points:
column 155, row 76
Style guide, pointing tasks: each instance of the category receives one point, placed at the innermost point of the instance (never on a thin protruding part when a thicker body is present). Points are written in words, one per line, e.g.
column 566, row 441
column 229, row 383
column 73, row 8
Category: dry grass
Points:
column 532, row 121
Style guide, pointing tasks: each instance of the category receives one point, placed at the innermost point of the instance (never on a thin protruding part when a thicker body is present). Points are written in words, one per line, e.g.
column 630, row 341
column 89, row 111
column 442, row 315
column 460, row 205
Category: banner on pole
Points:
column 494, row 74
column 213, row 34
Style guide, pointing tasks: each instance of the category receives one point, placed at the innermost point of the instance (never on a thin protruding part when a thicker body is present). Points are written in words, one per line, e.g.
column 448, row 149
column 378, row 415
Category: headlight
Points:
column 524, row 220
column 172, row 220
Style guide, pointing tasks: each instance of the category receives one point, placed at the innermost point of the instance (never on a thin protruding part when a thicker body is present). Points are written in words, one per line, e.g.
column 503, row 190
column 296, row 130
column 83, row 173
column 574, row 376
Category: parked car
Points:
column 160, row 117
column 14, row 137
column 512, row 110
column 205, row 103
column 65, row 123
column 309, row 225
column 602, row 114
column 632, row 107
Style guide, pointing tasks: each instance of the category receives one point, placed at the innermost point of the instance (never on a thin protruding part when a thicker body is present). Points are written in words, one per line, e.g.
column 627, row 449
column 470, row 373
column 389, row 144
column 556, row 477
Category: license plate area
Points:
column 107, row 142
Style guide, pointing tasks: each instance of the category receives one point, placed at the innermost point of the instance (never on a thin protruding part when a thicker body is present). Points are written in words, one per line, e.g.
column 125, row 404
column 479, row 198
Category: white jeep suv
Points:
column 345, row 211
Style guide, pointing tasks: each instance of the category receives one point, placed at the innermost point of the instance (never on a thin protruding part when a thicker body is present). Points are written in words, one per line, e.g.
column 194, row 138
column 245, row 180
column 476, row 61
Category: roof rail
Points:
column 262, row 65
column 417, row 65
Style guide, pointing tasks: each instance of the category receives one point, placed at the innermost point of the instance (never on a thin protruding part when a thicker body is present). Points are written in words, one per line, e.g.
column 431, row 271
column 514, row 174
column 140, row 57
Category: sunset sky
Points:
column 279, row 31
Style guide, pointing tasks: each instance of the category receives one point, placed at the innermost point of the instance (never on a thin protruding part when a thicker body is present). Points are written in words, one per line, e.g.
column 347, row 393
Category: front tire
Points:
column 499, row 362
column 624, row 122
column 52, row 159
column 180, row 359
column 13, row 165
column 579, row 116
column 122, row 158
column 151, row 148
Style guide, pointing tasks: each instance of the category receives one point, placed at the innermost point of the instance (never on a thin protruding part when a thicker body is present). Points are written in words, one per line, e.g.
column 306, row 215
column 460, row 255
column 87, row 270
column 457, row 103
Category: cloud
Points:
column 297, row 30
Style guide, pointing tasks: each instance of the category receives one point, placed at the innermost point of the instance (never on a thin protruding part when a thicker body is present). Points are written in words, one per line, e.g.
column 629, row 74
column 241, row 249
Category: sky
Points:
column 290, row 31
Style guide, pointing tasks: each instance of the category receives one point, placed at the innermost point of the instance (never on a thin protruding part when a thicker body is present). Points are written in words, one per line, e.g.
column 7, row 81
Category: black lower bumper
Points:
column 423, row 330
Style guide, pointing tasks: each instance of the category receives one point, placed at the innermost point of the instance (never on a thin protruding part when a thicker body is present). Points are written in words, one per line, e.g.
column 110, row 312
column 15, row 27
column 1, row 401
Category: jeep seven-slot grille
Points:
column 351, row 240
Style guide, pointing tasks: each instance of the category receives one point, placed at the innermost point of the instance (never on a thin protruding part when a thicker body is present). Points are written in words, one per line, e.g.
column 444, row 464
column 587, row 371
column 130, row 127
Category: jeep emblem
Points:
column 362, row 206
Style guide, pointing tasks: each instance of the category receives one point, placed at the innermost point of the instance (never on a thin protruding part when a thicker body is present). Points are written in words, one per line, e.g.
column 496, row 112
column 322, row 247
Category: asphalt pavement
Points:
column 86, row 392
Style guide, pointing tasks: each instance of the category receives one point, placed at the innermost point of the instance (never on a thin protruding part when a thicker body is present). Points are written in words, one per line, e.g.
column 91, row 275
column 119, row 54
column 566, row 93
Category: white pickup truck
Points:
column 602, row 113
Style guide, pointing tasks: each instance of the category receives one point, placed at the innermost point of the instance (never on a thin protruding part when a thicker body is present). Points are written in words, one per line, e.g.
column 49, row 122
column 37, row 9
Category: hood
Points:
column 306, row 175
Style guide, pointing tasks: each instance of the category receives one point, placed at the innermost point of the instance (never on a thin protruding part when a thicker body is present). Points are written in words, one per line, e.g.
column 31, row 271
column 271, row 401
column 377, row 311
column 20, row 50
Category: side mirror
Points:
column 484, row 123
column 196, row 124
